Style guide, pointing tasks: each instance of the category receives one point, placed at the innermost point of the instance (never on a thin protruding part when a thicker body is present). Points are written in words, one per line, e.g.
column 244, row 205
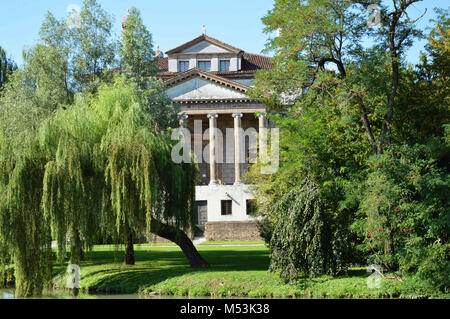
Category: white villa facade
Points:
column 210, row 79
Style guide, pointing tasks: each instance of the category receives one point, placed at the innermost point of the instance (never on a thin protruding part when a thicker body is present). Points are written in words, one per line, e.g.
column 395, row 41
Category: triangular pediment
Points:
column 205, row 47
column 198, row 85
column 204, row 44
column 197, row 88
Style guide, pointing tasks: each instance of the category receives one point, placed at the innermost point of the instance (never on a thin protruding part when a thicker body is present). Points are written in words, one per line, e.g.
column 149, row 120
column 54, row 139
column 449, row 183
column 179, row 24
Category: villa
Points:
column 210, row 79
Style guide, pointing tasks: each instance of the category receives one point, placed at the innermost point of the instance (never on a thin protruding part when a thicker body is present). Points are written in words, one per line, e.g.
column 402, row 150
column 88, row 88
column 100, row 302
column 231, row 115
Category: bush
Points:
column 306, row 240
column 408, row 212
column 429, row 267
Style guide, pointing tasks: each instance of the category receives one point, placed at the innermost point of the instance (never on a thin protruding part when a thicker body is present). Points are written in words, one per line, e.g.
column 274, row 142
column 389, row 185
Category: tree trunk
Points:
column 76, row 255
column 129, row 251
column 182, row 240
column 76, row 248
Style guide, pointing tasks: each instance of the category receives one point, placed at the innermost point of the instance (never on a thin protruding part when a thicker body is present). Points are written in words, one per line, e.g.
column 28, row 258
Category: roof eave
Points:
column 182, row 77
column 204, row 37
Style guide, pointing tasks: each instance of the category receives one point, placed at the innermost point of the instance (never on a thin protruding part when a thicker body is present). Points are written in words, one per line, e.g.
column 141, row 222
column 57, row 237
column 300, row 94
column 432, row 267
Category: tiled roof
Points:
column 162, row 64
column 255, row 62
column 250, row 64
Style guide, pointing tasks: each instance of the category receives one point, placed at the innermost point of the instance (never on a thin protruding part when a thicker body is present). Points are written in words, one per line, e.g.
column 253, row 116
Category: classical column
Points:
column 212, row 148
column 263, row 138
column 238, row 156
column 183, row 120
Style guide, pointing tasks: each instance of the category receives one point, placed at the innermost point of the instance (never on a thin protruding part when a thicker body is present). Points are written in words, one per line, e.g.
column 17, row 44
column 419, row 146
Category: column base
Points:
column 213, row 182
column 238, row 183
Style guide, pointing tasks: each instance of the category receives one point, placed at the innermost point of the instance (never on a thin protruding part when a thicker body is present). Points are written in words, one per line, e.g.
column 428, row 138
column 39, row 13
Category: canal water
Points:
column 9, row 294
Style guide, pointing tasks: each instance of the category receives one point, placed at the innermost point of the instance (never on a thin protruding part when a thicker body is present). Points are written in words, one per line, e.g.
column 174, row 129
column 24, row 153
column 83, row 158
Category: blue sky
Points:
column 237, row 22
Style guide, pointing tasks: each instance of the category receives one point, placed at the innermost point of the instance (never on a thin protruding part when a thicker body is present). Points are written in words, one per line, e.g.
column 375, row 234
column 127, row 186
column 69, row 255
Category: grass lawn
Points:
column 136, row 246
column 236, row 271
column 253, row 242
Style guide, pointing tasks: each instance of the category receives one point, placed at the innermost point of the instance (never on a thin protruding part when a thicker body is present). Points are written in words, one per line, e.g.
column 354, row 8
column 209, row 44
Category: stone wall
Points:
column 223, row 231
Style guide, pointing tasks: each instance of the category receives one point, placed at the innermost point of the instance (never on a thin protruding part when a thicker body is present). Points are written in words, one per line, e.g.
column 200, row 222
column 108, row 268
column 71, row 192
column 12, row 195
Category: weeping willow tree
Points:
column 305, row 240
column 24, row 230
column 24, row 233
column 95, row 166
column 7, row 67
column 107, row 168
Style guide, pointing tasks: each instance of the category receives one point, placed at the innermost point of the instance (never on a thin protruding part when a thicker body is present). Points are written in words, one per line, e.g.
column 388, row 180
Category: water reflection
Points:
column 6, row 294
column 9, row 294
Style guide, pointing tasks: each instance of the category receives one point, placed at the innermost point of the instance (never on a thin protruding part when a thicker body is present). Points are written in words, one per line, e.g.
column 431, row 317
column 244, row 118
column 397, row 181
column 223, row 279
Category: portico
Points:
column 224, row 151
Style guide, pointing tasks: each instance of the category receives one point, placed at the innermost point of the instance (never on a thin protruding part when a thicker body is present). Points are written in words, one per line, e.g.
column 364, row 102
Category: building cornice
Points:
column 218, row 110
column 201, row 38
column 195, row 72
column 215, row 101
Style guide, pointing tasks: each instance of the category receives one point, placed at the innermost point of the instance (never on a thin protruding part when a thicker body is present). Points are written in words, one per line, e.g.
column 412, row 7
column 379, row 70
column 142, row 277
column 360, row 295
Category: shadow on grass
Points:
column 104, row 271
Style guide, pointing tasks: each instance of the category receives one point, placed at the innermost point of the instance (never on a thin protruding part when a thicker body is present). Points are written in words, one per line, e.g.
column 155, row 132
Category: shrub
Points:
column 408, row 212
column 306, row 239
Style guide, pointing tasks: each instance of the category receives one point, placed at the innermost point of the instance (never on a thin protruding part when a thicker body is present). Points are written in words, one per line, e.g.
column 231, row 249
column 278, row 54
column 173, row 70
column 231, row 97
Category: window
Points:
column 251, row 206
column 226, row 207
column 202, row 212
column 224, row 65
column 204, row 65
column 183, row 66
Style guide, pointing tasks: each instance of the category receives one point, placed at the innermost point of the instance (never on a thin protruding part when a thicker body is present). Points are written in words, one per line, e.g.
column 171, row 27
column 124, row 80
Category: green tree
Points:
column 7, row 66
column 325, row 145
column 95, row 164
column 313, row 34
column 92, row 164
column 95, row 50
column 136, row 50
column 24, row 233
column 408, row 215
column 138, row 63
column 46, row 72
column 333, row 120
column 423, row 101
column 305, row 240
column 404, row 212
column 87, row 46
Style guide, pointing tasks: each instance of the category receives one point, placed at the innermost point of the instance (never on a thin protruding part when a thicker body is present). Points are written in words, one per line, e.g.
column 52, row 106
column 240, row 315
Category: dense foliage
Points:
column 96, row 164
column 366, row 136
column 406, row 210
column 364, row 146
column 136, row 49
column 138, row 63
column 7, row 66
column 85, row 154
column 305, row 225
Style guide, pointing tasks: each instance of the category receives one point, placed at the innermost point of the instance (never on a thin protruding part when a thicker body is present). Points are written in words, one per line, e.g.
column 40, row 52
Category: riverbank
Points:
column 238, row 271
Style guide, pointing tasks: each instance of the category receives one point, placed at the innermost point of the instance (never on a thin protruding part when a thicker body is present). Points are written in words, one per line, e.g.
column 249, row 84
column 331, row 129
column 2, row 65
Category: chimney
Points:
column 158, row 53
column 124, row 20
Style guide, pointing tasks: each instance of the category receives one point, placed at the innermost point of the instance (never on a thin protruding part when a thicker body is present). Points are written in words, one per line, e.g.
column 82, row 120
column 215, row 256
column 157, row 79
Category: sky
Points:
column 172, row 23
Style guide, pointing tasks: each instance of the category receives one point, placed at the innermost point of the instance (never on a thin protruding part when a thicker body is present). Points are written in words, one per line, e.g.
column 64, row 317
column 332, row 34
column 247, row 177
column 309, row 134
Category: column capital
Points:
column 183, row 119
column 262, row 114
column 213, row 115
column 237, row 115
